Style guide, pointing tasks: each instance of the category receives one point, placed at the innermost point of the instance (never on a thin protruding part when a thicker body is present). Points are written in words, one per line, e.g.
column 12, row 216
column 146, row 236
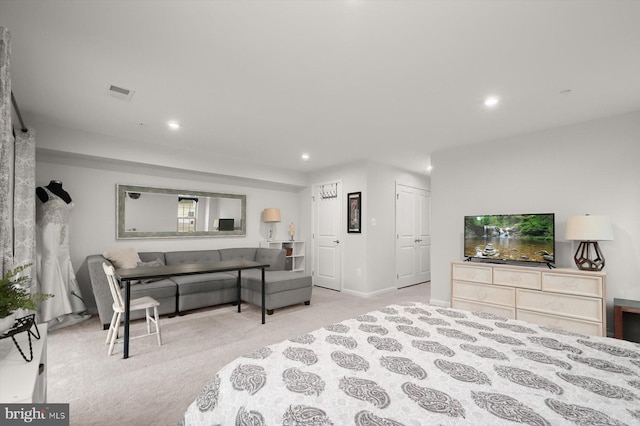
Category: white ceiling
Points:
column 389, row 81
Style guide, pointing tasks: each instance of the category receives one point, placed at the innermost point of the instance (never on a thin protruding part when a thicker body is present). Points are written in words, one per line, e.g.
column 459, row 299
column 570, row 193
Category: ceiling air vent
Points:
column 120, row 92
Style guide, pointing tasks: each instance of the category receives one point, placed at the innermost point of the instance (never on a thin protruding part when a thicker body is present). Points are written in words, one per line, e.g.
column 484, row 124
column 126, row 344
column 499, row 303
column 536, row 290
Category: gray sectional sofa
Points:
column 183, row 293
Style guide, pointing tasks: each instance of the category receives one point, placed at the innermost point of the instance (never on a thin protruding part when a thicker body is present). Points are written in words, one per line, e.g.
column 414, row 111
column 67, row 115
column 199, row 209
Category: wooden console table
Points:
column 128, row 275
column 620, row 306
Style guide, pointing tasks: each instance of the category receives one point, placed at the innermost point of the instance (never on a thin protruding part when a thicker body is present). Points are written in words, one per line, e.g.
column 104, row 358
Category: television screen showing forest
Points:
column 520, row 238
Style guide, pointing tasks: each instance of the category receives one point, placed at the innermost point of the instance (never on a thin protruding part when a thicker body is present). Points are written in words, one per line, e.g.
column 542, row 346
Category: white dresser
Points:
column 570, row 299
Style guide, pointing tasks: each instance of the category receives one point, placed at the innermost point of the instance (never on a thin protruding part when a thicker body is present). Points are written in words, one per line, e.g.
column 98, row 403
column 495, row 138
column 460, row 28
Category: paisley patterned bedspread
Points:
column 416, row 364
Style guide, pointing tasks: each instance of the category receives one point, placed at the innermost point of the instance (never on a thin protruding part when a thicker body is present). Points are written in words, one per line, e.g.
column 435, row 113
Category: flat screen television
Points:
column 506, row 238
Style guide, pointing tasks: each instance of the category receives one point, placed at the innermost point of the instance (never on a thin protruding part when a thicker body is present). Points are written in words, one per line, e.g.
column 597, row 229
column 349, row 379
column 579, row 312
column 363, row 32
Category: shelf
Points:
column 295, row 257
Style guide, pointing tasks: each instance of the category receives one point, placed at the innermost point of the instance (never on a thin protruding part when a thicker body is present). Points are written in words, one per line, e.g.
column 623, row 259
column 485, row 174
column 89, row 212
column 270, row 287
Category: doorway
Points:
column 413, row 235
column 327, row 226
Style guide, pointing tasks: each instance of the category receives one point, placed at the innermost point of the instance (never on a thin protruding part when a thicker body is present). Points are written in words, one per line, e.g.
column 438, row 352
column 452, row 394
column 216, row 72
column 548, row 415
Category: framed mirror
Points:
column 147, row 212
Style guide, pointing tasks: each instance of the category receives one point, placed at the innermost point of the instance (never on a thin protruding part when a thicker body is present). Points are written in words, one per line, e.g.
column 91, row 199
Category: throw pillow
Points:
column 151, row 263
column 125, row 258
column 156, row 262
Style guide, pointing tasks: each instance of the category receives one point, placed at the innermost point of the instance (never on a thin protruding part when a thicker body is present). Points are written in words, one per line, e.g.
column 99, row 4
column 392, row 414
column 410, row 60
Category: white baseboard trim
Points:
column 371, row 294
column 443, row 303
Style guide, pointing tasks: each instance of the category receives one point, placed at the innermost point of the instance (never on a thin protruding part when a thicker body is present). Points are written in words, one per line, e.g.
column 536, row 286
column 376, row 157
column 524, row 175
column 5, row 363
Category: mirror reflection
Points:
column 146, row 212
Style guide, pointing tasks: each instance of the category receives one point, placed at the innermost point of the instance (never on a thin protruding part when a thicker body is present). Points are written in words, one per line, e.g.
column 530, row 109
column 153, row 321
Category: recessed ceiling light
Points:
column 173, row 125
column 305, row 157
column 491, row 101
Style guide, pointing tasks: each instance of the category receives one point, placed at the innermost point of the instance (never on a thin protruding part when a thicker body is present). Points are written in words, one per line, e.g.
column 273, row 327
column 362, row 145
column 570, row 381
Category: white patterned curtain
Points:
column 17, row 177
column 6, row 155
column 24, row 201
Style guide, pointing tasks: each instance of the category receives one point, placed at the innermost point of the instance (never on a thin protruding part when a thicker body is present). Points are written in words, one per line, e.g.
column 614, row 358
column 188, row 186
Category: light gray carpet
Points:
column 157, row 383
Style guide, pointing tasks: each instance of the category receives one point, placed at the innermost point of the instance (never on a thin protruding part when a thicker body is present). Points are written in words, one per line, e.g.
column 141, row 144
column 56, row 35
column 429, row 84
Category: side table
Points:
column 620, row 306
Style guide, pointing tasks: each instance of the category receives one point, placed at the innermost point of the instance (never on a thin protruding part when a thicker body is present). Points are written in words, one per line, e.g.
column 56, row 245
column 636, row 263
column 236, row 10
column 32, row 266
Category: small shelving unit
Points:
column 294, row 260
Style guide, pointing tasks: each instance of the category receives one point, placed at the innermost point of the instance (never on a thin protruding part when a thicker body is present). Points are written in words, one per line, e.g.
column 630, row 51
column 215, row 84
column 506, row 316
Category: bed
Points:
column 417, row 364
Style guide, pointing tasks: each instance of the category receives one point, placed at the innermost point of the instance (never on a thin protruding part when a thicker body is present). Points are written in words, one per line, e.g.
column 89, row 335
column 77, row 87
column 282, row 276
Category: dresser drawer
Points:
column 484, row 293
column 572, row 284
column 480, row 274
column 569, row 324
column 517, row 278
column 468, row 305
column 585, row 308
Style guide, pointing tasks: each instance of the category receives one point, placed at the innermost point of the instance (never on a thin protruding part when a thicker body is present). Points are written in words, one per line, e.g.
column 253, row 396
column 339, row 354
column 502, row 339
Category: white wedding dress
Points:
column 53, row 264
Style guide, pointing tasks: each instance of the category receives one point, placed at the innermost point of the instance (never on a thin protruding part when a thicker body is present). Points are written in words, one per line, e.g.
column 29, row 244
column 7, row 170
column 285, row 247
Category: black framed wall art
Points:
column 354, row 212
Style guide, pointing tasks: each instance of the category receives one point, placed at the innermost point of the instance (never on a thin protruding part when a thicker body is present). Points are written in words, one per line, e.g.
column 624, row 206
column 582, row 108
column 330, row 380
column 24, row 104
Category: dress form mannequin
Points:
column 55, row 186
column 53, row 263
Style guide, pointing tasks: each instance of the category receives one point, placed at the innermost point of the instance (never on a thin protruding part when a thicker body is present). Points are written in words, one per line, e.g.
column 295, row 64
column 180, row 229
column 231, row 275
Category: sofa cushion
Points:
column 161, row 289
column 196, row 256
column 238, row 253
column 152, row 255
column 202, row 283
column 276, row 281
column 274, row 257
column 150, row 264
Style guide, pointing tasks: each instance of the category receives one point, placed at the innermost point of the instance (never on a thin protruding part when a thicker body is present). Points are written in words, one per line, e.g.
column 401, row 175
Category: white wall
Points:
column 585, row 168
column 381, row 243
column 373, row 250
column 93, row 218
column 303, row 226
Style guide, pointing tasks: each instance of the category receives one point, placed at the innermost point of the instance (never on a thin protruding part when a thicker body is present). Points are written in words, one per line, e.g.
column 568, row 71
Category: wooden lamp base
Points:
column 588, row 257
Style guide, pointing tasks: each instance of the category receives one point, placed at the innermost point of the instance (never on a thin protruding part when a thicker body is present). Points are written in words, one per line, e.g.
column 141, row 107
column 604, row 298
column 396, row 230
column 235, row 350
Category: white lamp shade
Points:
column 589, row 228
column 271, row 215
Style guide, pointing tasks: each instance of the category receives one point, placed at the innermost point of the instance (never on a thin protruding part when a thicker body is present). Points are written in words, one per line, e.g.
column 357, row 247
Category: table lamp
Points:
column 271, row 216
column 589, row 230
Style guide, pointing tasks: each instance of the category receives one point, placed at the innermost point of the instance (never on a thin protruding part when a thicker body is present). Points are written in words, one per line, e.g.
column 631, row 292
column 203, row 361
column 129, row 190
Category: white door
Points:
column 413, row 236
column 327, row 224
column 423, row 232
